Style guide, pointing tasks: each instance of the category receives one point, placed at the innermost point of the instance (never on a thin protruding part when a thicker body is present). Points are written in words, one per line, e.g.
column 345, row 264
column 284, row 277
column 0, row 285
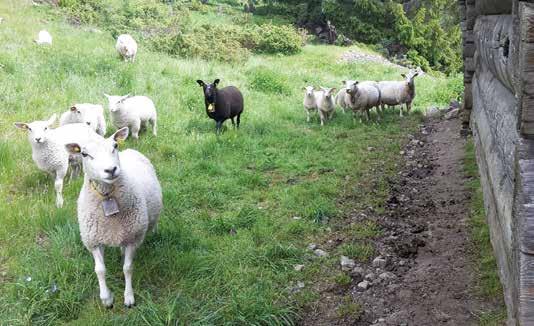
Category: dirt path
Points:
column 425, row 275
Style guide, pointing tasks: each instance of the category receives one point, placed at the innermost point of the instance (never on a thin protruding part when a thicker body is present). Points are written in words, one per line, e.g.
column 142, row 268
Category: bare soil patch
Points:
column 423, row 274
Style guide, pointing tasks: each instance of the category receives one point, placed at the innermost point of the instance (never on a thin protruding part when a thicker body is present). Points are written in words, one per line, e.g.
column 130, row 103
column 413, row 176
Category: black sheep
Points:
column 222, row 104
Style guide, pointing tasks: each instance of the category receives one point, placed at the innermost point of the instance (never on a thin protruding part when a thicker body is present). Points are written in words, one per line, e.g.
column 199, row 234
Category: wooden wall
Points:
column 498, row 41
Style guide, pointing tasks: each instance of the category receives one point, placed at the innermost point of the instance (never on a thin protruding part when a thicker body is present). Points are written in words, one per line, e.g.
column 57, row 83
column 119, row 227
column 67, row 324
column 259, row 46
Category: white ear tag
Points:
column 110, row 206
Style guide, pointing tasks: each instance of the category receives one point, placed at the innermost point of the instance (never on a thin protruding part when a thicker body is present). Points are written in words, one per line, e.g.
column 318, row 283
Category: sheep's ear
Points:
column 216, row 81
column 403, row 75
column 121, row 134
column 303, row 88
column 73, row 148
column 106, row 95
column 344, row 82
column 21, row 125
column 332, row 90
column 73, row 108
column 201, row 83
column 51, row 120
column 123, row 98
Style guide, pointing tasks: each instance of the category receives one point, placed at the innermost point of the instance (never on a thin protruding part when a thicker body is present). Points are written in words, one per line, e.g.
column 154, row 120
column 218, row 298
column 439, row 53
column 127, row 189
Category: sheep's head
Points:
column 101, row 156
column 115, row 102
column 328, row 92
column 351, row 86
column 309, row 90
column 409, row 78
column 210, row 91
column 38, row 131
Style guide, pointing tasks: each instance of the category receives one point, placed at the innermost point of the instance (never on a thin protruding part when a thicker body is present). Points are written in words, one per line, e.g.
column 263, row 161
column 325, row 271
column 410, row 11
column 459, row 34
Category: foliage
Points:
column 168, row 28
column 427, row 33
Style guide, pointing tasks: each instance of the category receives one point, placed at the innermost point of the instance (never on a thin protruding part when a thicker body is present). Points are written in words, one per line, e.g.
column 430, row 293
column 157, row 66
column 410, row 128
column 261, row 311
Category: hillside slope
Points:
column 227, row 241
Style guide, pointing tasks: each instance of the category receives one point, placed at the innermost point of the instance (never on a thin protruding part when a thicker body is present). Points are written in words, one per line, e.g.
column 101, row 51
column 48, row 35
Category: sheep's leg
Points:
column 154, row 122
column 100, row 269
column 218, row 127
column 238, row 120
column 400, row 114
column 321, row 115
column 408, row 107
column 135, row 129
column 308, row 116
column 233, row 122
column 129, row 252
column 58, row 185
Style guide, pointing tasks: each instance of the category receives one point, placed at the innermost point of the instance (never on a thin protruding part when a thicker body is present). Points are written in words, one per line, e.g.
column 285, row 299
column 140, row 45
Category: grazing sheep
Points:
column 127, row 47
column 48, row 148
column 133, row 112
column 90, row 114
column 325, row 103
column 120, row 201
column 342, row 97
column 222, row 104
column 399, row 92
column 44, row 38
column 310, row 101
column 363, row 97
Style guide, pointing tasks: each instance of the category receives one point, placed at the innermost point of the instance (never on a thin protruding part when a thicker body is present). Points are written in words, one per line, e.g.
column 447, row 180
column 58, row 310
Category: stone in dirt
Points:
column 346, row 263
column 379, row 262
column 433, row 112
column 298, row 268
column 363, row 285
column 452, row 114
column 312, row 246
column 320, row 253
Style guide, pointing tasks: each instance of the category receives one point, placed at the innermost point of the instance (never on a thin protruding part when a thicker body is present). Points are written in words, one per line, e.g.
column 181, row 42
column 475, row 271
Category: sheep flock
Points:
column 121, row 198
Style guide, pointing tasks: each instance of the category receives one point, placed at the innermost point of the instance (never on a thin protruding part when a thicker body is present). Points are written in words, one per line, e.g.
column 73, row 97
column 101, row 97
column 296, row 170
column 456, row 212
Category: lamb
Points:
column 399, row 92
column 127, row 47
column 309, row 102
column 222, row 104
column 325, row 103
column 363, row 97
column 44, row 38
column 90, row 114
column 133, row 112
column 120, row 201
column 48, row 148
column 342, row 97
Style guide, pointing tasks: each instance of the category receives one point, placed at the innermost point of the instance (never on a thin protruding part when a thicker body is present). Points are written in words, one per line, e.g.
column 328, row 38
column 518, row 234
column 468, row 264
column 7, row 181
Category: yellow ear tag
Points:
column 211, row 107
column 77, row 149
column 120, row 141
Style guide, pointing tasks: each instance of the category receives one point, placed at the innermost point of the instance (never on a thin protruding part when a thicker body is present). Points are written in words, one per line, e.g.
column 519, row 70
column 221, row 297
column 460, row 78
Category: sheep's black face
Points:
column 210, row 91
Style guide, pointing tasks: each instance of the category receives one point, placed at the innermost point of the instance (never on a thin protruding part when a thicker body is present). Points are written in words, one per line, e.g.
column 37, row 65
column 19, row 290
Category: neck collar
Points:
column 102, row 189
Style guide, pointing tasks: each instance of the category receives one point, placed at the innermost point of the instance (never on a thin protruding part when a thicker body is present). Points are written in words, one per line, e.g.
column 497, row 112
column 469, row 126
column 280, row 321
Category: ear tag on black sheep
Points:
column 110, row 206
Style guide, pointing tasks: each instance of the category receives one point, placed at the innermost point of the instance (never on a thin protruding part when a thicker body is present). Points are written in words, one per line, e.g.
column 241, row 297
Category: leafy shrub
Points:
column 278, row 39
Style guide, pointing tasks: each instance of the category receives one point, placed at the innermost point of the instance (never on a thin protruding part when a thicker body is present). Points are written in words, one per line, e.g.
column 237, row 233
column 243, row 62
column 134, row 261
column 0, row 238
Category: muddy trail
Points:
column 424, row 274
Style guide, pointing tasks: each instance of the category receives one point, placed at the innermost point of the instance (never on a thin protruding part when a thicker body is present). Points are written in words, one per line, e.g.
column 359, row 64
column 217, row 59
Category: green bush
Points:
column 267, row 81
column 278, row 39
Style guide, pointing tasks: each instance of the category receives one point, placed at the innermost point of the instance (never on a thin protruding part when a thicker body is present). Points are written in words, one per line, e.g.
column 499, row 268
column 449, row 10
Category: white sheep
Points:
column 48, row 148
column 309, row 102
column 394, row 93
column 133, row 112
column 44, row 38
column 120, row 201
column 363, row 97
column 325, row 103
column 90, row 114
column 127, row 47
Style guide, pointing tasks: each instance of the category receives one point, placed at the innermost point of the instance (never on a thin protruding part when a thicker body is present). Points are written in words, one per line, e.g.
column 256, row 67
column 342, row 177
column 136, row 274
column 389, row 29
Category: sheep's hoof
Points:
column 108, row 302
column 129, row 301
column 129, row 305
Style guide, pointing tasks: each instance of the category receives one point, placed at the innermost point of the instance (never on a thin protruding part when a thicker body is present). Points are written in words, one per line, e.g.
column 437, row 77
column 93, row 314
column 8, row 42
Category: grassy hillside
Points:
column 227, row 241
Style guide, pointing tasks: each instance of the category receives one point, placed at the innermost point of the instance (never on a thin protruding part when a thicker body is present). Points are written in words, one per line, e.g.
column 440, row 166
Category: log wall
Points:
column 498, row 51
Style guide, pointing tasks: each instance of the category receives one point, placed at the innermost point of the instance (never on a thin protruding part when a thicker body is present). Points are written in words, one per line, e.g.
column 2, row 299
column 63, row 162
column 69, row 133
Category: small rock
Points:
column 298, row 267
column 402, row 263
column 300, row 284
column 312, row 246
column 370, row 277
column 320, row 253
column 364, row 285
column 28, row 279
column 297, row 217
column 402, row 152
column 432, row 112
column 370, row 149
column 347, row 263
column 387, row 276
column 452, row 114
column 379, row 262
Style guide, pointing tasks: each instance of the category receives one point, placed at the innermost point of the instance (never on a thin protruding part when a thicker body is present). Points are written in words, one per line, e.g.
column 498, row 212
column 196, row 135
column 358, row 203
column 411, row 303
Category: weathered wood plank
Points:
column 493, row 35
column 494, row 7
column 525, row 74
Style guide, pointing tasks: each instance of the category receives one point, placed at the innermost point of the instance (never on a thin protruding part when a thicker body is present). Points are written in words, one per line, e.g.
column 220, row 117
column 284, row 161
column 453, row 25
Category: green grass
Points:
column 488, row 285
column 226, row 242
